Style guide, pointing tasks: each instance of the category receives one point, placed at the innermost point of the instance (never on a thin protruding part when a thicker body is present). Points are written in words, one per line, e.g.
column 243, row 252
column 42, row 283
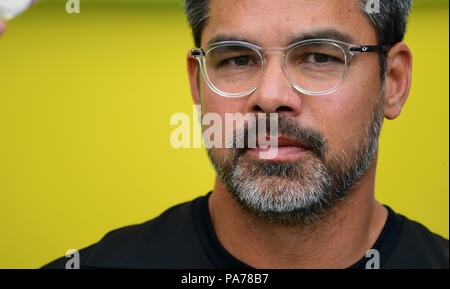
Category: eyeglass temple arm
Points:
column 197, row 52
column 369, row 48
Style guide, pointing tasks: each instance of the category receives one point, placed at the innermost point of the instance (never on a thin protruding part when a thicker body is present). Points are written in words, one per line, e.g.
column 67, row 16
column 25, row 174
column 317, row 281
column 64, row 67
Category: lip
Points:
column 285, row 149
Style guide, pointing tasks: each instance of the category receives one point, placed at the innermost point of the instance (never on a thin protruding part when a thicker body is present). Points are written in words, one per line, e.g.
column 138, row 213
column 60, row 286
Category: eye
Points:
column 320, row 58
column 242, row 60
column 239, row 60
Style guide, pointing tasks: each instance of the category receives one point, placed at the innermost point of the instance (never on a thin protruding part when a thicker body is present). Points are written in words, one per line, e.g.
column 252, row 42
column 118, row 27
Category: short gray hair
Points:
column 197, row 14
column 389, row 22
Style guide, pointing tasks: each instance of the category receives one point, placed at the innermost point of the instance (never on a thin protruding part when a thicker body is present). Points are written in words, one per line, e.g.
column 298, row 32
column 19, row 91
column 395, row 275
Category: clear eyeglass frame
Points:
column 348, row 49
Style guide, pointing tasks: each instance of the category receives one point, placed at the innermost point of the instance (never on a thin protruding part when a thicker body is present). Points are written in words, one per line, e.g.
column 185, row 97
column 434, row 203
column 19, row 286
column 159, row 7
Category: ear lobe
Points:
column 397, row 79
column 193, row 70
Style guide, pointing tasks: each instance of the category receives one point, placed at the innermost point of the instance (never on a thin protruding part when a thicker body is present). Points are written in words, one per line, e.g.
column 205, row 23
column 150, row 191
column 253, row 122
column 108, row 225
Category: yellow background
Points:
column 85, row 104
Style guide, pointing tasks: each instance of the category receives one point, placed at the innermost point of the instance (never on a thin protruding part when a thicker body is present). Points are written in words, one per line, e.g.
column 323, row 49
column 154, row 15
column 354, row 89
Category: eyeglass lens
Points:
column 314, row 67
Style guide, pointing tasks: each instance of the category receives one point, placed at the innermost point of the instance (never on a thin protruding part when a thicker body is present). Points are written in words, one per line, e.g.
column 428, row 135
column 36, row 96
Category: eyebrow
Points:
column 329, row 33
column 223, row 37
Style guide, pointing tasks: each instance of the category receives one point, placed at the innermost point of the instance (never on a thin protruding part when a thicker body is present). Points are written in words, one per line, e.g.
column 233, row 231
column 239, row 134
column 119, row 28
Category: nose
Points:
column 275, row 93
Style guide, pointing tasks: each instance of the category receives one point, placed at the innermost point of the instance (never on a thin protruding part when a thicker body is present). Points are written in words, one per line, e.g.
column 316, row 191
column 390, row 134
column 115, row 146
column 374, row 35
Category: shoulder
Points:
column 418, row 247
column 167, row 241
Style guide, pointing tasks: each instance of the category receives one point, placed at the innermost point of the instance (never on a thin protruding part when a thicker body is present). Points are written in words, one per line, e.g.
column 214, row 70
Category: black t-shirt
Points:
column 183, row 237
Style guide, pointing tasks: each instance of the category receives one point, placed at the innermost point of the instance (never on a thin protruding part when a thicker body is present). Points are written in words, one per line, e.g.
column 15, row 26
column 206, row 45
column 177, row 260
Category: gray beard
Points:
column 298, row 192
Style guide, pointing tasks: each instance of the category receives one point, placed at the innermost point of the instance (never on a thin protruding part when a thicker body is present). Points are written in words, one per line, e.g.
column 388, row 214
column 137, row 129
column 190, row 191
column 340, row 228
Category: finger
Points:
column 2, row 26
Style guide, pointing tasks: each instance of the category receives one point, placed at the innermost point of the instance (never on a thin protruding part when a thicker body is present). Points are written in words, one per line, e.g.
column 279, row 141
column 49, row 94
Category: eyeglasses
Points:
column 313, row 66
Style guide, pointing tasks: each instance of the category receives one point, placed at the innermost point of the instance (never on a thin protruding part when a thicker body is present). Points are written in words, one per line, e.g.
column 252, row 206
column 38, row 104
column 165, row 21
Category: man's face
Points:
column 347, row 121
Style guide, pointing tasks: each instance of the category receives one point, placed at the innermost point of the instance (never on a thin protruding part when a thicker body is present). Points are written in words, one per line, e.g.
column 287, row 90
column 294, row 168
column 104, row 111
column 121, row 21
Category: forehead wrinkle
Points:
column 324, row 33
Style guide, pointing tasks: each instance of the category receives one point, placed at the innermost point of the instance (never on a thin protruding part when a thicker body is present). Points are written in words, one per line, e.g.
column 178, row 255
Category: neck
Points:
column 336, row 240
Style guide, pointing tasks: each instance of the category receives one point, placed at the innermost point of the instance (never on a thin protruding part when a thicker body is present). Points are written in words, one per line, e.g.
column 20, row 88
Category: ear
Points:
column 193, row 70
column 397, row 79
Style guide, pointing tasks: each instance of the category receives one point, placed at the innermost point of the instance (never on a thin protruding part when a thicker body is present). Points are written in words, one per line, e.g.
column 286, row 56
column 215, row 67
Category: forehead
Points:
column 275, row 22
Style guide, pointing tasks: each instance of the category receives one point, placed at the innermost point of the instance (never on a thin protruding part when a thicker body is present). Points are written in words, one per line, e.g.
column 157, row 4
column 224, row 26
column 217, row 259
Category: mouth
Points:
column 280, row 148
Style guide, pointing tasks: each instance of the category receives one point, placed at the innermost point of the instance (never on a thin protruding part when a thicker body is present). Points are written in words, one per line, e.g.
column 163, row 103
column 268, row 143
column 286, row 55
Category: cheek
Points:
column 213, row 103
column 343, row 116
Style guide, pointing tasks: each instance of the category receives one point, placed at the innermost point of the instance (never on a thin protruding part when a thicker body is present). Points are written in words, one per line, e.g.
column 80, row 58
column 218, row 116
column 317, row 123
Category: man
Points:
column 311, row 204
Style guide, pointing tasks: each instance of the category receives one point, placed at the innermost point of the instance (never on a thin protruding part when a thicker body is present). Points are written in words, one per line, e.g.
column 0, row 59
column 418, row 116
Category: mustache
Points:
column 287, row 127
